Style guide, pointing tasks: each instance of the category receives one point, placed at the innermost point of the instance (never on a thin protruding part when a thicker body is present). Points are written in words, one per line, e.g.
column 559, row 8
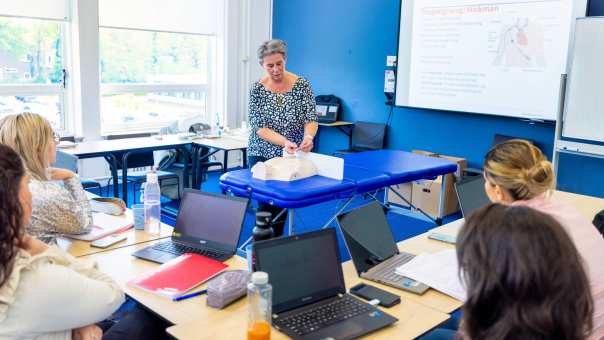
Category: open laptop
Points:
column 309, row 294
column 373, row 250
column 207, row 224
column 471, row 194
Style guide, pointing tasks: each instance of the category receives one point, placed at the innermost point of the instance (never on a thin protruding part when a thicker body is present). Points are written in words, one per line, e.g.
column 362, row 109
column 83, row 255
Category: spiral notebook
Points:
column 179, row 275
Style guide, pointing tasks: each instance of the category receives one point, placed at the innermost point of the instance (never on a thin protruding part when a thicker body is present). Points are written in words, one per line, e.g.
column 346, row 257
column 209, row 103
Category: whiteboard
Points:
column 498, row 57
column 584, row 103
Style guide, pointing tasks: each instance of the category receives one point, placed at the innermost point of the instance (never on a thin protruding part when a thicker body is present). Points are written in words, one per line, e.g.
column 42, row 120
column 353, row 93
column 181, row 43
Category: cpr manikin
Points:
column 287, row 168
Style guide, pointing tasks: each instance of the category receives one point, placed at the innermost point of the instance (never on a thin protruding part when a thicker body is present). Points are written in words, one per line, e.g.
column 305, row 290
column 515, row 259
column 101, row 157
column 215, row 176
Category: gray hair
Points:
column 270, row 47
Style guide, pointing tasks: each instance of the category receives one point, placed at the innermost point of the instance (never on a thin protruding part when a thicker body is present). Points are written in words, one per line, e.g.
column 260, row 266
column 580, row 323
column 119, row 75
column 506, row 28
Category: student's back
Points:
column 524, row 277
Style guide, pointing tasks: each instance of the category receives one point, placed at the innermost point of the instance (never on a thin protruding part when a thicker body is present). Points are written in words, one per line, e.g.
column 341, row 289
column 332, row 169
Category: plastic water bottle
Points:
column 151, row 200
column 218, row 126
column 259, row 297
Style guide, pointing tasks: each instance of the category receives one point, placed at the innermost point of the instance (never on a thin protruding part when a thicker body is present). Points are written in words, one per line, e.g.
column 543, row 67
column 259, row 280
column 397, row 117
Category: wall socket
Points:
column 391, row 61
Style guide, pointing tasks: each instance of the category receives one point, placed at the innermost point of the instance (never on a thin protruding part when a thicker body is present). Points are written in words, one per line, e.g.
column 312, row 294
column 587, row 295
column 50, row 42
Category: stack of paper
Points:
column 438, row 270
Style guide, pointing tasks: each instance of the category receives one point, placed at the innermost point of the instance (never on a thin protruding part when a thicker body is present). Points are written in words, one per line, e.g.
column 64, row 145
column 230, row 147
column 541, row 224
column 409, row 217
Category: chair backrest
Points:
column 137, row 160
column 368, row 136
column 66, row 161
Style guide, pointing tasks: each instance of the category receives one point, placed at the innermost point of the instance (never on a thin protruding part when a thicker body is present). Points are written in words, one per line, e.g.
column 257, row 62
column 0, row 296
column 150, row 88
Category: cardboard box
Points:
column 405, row 189
column 426, row 193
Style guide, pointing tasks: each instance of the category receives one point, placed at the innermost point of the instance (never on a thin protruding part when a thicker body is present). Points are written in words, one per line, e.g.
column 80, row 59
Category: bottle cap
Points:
column 259, row 278
column 152, row 177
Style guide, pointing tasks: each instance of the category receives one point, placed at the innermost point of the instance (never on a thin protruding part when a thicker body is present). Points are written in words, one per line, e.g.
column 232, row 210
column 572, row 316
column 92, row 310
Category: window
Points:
column 152, row 79
column 33, row 68
column 155, row 62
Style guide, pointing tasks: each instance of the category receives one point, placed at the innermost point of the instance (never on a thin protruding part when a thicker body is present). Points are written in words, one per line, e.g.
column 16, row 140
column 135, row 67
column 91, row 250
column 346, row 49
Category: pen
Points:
column 184, row 297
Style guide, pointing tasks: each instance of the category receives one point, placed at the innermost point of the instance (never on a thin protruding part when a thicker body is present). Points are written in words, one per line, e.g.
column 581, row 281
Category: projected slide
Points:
column 498, row 57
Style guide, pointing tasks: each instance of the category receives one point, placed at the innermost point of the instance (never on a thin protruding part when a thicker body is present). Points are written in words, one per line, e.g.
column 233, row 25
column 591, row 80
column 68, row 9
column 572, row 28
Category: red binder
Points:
column 179, row 275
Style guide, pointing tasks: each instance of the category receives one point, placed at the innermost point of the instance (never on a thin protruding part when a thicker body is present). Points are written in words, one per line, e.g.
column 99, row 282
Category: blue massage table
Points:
column 364, row 173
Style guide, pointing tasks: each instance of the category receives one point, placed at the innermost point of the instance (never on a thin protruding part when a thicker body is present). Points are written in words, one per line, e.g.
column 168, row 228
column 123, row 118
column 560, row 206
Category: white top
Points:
column 50, row 294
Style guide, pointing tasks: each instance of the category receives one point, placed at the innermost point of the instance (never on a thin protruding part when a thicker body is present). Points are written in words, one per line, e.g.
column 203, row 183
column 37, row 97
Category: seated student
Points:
column 46, row 293
column 524, row 277
column 60, row 204
column 517, row 173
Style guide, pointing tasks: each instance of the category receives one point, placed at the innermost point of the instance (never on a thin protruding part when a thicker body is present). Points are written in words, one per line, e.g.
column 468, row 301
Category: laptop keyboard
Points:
column 387, row 271
column 323, row 315
column 179, row 249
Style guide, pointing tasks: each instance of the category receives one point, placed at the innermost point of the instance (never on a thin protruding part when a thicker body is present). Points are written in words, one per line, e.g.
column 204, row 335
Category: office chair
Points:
column 141, row 160
column 70, row 162
column 366, row 136
column 205, row 164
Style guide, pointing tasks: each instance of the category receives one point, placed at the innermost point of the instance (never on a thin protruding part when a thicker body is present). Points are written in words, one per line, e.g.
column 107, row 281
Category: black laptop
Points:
column 373, row 250
column 471, row 194
column 207, row 224
column 309, row 294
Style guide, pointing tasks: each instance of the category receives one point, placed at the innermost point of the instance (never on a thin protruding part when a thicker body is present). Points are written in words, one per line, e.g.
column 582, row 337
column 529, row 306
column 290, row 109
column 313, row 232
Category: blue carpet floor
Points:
column 404, row 223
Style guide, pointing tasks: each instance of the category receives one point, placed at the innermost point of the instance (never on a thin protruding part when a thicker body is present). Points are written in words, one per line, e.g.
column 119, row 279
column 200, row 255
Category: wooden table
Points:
column 194, row 320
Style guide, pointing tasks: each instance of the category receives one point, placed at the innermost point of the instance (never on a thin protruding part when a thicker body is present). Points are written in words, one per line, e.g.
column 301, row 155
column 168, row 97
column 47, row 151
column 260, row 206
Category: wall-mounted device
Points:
column 390, row 79
column 328, row 108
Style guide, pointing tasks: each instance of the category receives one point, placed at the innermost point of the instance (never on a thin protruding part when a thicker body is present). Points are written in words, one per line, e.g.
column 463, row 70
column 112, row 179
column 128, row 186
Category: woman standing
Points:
column 282, row 112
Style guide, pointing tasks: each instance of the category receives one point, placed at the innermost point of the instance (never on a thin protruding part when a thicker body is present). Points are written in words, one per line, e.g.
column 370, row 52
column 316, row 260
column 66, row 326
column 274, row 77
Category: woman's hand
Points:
column 32, row 245
column 60, row 174
column 290, row 147
column 90, row 332
column 307, row 144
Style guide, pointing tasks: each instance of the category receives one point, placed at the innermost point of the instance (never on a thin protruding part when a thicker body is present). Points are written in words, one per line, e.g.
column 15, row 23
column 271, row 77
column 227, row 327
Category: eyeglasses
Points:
column 56, row 137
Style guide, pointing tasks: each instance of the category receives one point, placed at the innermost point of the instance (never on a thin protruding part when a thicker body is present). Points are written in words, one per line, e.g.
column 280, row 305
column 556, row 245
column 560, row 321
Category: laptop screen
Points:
column 368, row 236
column 302, row 269
column 471, row 194
column 210, row 219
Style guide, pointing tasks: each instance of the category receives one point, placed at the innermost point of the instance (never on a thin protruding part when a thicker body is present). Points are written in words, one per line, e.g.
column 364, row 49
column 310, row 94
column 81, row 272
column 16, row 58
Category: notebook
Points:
column 103, row 225
column 179, row 275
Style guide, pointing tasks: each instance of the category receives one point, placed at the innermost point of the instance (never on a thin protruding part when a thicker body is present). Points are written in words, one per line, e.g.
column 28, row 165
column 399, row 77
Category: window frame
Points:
column 61, row 89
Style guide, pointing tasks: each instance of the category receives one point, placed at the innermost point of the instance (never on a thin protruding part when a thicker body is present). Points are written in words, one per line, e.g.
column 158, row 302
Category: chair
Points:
column 141, row 160
column 366, row 136
column 70, row 162
column 205, row 164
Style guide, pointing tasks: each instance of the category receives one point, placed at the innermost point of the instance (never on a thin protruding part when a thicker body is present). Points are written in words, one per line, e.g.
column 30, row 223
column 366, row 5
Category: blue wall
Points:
column 341, row 46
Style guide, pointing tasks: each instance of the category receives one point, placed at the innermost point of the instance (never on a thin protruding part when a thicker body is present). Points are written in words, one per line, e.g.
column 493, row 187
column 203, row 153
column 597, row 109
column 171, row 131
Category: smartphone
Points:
column 452, row 239
column 108, row 240
column 369, row 293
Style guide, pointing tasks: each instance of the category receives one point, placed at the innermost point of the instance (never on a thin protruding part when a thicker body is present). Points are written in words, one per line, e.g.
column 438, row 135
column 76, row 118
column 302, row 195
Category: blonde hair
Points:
column 519, row 167
column 29, row 134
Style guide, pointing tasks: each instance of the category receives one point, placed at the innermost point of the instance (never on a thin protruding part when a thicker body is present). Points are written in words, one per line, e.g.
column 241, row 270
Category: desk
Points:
column 342, row 126
column 587, row 205
column 194, row 320
column 82, row 248
column 108, row 149
column 224, row 143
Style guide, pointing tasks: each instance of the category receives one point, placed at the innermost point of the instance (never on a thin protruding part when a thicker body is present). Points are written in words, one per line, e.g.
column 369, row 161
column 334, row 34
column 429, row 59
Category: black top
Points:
column 285, row 113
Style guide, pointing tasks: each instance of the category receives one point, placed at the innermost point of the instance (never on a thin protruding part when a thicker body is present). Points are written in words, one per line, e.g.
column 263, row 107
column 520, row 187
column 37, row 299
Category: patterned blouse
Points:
column 58, row 207
column 284, row 113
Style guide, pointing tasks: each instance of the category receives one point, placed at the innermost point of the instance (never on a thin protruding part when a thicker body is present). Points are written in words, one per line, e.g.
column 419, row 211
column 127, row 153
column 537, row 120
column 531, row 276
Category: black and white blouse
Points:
column 285, row 113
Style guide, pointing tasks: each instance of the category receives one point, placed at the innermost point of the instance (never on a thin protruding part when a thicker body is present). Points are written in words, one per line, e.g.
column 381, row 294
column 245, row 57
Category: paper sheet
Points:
column 438, row 270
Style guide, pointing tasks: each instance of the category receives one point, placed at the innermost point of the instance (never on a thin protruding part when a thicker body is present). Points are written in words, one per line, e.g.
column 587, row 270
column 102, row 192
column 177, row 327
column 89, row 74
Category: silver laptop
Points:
column 471, row 194
column 207, row 224
column 373, row 250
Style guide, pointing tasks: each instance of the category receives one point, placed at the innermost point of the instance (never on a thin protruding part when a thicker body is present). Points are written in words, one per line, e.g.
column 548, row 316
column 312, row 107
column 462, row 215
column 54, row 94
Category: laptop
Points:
column 309, row 294
column 471, row 194
column 373, row 250
column 207, row 224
